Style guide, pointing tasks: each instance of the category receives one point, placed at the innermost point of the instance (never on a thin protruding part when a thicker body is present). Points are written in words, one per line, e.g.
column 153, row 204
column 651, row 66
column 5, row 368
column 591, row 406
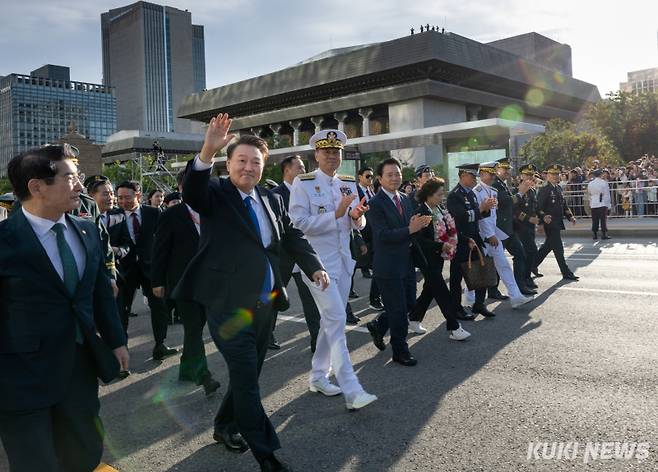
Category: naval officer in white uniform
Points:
column 325, row 207
column 493, row 236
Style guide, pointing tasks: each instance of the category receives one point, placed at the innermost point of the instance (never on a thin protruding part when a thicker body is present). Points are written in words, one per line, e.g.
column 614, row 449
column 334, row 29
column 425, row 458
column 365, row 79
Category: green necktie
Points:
column 70, row 269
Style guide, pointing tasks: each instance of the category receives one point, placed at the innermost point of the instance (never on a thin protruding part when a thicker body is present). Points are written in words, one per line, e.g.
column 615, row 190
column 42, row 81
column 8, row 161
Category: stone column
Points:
column 296, row 125
column 317, row 121
column 365, row 114
column 341, row 116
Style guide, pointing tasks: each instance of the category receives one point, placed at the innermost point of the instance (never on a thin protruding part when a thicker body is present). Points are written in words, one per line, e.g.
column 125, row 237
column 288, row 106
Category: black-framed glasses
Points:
column 368, row 176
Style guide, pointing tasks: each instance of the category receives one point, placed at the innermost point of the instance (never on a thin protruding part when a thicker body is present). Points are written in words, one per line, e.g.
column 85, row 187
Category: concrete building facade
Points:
column 154, row 57
column 641, row 81
column 412, row 83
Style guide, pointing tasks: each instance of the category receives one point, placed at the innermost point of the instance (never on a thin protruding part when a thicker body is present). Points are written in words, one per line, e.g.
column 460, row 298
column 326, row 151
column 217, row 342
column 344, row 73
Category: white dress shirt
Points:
column 129, row 219
column 367, row 192
column 599, row 193
column 487, row 225
column 48, row 239
column 196, row 219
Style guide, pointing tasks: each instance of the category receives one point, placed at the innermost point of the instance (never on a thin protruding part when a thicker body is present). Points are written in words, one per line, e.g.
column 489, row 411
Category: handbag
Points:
column 107, row 365
column 479, row 275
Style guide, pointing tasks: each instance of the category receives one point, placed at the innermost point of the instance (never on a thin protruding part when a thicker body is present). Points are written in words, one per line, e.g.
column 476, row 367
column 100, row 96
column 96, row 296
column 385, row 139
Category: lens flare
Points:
column 534, row 98
column 236, row 323
column 512, row 113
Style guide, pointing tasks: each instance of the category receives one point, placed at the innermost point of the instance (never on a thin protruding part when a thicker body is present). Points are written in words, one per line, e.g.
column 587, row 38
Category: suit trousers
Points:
column 193, row 363
column 456, row 277
column 503, row 268
column 434, row 287
column 399, row 298
column 159, row 316
column 527, row 238
column 600, row 217
column 65, row 437
column 244, row 351
column 311, row 313
column 553, row 242
column 515, row 248
column 331, row 352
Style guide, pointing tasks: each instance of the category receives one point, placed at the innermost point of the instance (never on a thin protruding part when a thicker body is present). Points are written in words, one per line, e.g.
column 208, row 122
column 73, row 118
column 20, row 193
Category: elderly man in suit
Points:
column 55, row 295
column 393, row 225
column 236, row 276
column 291, row 167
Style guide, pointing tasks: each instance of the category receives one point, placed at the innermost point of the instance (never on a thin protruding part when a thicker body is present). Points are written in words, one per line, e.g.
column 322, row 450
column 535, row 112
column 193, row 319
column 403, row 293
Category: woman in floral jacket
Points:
column 438, row 242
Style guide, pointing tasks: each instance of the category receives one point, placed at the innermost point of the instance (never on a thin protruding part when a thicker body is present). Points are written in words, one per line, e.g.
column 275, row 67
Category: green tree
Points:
column 562, row 143
column 5, row 186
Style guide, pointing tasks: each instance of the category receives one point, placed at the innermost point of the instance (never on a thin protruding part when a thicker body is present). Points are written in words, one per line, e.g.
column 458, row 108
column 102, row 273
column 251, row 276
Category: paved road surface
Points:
column 578, row 364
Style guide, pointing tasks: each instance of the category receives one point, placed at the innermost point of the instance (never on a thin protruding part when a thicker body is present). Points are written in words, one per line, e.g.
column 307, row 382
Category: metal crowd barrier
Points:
column 630, row 199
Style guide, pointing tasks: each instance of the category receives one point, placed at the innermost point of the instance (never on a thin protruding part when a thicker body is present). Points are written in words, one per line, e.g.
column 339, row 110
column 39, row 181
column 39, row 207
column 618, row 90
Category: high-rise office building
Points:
column 641, row 81
column 153, row 56
column 38, row 109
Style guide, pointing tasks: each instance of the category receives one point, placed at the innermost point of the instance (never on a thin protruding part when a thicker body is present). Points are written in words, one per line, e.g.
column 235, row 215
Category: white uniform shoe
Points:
column 459, row 334
column 325, row 387
column 522, row 300
column 416, row 327
column 362, row 399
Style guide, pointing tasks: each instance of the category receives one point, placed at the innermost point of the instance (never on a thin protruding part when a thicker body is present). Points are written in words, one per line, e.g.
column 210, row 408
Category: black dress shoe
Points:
column 482, row 310
column 160, row 351
column 273, row 345
column 537, row 274
column 123, row 374
column 377, row 304
column 232, row 442
column 210, row 385
column 570, row 277
column 462, row 315
column 366, row 273
column 527, row 291
column 354, row 294
column 272, row 464
column 352, row 319
column 496, row 295
column 605, row 236
column 377, row 338
column 406, row 359
column 531, row 284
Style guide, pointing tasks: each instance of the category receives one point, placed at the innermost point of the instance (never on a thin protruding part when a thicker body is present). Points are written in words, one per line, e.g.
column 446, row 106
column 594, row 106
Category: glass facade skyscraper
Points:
column 154, row 57
column 38, row 109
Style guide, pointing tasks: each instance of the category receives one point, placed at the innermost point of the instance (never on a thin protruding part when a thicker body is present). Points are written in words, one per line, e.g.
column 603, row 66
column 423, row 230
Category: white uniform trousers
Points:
column 331, row 350
column 503, row 268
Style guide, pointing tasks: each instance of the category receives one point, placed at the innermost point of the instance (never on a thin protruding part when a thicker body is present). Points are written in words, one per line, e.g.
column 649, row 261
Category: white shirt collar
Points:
column 41, row 226
column 288, row 186
column 326, row 177
column 253, row 195
column 138, row 211
column 391, row 195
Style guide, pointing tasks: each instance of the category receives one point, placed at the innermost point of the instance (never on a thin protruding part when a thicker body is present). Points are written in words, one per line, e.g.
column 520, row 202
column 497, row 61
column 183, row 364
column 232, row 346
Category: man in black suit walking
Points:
column 393, row 224
column 236, row 275
column 55, row 294
column 142, row 220
column 175, row 244
column 291, row 167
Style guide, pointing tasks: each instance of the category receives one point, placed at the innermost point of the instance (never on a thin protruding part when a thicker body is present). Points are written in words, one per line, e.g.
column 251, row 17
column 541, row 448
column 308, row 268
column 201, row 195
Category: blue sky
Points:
column 245, row 38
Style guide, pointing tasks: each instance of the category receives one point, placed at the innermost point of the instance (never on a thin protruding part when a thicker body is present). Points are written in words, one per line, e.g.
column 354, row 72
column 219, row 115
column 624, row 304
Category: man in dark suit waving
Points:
column 393, row 224
column 55, row 294
column 236, row 276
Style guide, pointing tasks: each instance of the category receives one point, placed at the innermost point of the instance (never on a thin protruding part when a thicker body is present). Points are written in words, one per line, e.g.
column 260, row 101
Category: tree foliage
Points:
column 628, row 121
column 563, row 143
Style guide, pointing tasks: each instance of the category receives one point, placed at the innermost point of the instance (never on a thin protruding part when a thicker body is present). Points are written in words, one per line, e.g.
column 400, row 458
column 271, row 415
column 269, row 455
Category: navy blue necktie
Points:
column 69, row 268
column 267, row 281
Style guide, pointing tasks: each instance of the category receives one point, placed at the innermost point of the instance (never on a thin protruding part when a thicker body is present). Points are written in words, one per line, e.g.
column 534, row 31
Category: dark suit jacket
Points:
column 287, row 264
column 394, row 250
column 425, row 238
column 505, row 208
column 119, row 237
column 550, row 201
column 38, row 316
column 142, row 249
column 227, row 272
column 176, row 243
column 464, row 208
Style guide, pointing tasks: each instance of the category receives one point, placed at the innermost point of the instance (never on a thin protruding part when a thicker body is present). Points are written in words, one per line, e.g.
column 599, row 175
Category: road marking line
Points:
column 602, row 290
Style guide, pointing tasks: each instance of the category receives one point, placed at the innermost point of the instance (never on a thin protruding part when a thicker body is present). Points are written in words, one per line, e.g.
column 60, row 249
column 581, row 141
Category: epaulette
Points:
column 347, row 178
column 309, row 176
column 478, row 188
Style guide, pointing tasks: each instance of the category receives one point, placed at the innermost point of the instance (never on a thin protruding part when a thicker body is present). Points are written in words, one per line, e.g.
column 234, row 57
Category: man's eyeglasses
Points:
column 368, row 176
